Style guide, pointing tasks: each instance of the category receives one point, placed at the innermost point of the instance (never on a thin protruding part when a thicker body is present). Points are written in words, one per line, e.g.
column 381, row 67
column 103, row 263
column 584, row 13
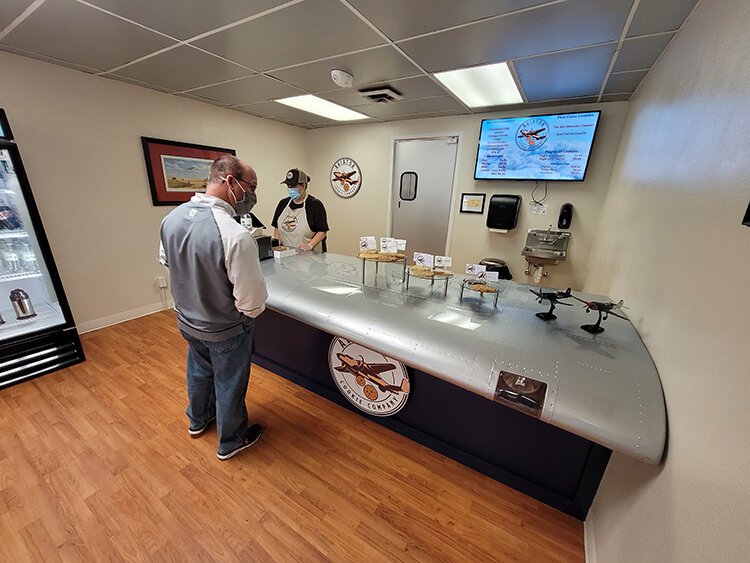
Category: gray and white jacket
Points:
column 214, row 270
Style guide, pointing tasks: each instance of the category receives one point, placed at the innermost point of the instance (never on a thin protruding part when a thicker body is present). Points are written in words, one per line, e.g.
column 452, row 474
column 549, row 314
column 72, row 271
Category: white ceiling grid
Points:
column 243, row 54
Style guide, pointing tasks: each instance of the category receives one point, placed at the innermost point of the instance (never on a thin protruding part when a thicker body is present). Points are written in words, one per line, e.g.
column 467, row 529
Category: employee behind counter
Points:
column 300, row 220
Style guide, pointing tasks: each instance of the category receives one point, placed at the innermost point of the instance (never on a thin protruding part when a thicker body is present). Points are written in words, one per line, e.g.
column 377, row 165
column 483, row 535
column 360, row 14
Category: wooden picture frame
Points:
column 177, row 170
column 473, row 203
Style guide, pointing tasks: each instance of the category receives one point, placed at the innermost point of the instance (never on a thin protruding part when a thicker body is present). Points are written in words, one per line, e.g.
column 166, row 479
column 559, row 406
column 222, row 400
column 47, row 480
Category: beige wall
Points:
column 371, row 145
column 672, row 246
column 79, row 137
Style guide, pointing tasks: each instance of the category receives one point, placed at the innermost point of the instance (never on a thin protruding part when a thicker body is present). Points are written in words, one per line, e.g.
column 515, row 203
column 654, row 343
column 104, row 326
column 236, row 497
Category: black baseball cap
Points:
column 296, row 176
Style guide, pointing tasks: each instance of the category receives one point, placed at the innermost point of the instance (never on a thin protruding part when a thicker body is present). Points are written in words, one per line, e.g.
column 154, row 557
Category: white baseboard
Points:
column 589, row 545
column 117, row 318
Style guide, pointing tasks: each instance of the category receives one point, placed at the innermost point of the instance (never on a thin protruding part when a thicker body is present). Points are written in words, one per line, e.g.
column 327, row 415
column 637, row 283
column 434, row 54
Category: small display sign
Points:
column 367, row 243
column 423, row 259
column 401, row 242
column 388, row 245
column 475, row 269
column 488, row 276
column 443, row 261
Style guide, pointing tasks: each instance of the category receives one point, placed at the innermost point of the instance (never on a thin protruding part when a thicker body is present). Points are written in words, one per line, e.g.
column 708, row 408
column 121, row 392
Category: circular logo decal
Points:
column 289, row 223
column 346, row 177
column 532, row 134
column 372, row 382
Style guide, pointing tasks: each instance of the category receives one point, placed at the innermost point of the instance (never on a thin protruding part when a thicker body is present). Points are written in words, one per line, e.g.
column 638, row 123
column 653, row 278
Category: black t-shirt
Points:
column 314, row 210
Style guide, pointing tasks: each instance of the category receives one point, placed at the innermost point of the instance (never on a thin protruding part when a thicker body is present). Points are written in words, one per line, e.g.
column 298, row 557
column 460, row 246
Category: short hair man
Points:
column 218, row 290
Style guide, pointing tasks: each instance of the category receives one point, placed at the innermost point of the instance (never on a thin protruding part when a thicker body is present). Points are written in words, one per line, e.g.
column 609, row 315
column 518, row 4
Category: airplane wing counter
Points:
column 602, row 387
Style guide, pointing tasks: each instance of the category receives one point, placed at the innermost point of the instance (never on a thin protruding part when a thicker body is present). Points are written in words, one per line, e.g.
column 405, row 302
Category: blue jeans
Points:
column 217, row 378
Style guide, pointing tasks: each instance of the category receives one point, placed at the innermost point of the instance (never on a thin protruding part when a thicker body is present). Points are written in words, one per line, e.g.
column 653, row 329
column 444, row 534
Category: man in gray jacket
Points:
column 218, row 290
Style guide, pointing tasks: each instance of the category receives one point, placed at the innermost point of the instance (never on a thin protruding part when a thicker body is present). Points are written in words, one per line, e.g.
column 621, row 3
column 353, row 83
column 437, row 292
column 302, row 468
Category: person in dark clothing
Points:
column 300, row 219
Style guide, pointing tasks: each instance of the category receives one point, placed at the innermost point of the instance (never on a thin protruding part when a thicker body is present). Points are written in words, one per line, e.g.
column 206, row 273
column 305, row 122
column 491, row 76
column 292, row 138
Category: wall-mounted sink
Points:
column 546, row 247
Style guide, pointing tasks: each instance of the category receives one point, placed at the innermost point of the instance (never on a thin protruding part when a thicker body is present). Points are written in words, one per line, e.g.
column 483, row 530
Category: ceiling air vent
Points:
column 381, row 95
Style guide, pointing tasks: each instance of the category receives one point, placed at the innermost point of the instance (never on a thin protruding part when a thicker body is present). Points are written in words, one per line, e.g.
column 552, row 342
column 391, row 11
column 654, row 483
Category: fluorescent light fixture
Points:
column 319, row 106
column 482, row 86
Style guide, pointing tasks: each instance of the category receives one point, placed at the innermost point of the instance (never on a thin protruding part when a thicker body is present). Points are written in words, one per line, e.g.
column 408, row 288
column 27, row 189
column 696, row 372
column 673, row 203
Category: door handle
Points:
column 399, row 205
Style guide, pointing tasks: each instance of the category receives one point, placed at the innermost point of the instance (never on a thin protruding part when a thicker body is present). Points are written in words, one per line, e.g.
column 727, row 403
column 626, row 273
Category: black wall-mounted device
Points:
column 746, row 220
column 503, row 212
column 566, row 216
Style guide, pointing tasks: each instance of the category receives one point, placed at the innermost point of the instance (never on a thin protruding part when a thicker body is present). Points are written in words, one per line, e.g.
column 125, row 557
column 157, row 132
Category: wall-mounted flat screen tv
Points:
column 541, row 147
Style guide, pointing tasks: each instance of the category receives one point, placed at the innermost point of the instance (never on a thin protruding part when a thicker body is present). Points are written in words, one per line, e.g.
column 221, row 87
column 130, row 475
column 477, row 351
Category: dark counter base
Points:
column 549, row 464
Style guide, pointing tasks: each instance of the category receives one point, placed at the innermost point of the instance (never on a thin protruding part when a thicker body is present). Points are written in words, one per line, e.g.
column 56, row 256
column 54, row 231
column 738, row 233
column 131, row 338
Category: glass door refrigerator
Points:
column 37, row 331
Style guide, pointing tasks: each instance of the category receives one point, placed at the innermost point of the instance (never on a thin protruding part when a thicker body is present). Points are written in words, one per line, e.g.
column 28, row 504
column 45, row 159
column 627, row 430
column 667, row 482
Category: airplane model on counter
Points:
column 554, row 297
column 604, row 310
column 364, row 372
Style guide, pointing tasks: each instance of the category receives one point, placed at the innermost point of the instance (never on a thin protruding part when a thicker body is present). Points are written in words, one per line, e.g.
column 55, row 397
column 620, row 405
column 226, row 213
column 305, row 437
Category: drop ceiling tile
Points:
column 376, row 65
column 269, row 117
column 409, row 88
column 565, row 75
column 400, row 19
column 136, row 83
column 616, row 97
column 624, row 82
column 45, row 58
column 11, row 10
column 247, row 90
column 81, row 35
column 641, row 52
column 445, row 113
column 185, row 18
column 193, row 97
column 568, row 25
column 412, row 107
column 655, row 16
column 306, row 31
column 183, row 68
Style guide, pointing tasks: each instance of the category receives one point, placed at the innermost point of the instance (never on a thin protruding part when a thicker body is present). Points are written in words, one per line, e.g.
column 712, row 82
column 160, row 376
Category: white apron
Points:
column 294, row 228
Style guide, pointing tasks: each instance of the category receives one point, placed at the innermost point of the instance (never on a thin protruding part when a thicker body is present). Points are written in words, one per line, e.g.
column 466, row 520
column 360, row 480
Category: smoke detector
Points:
column 382, row 95
column 342, row 78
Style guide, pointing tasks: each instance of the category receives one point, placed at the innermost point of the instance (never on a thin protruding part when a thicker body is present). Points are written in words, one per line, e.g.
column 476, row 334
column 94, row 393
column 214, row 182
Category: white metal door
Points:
column 423, row 172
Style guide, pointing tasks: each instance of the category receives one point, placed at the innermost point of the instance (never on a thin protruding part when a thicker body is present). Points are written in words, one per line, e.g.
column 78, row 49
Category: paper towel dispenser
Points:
column 503, row 212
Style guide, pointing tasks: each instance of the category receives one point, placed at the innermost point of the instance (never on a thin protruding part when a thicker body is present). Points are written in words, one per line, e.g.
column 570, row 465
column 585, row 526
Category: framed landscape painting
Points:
column 177, row 170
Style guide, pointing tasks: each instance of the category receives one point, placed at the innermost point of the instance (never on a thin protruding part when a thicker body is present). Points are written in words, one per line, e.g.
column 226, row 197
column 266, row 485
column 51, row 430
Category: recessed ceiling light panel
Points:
column 319, row 106
column 482, row 86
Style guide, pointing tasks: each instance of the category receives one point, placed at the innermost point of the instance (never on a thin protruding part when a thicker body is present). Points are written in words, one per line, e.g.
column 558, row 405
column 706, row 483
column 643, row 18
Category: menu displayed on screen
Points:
column 543, row 147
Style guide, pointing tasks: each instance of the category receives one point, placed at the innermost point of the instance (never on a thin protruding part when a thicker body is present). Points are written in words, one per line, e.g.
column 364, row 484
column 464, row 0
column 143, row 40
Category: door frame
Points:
column 391, row 191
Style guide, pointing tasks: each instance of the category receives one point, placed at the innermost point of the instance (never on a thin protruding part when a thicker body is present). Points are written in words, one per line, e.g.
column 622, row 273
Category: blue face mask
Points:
column 294, row 193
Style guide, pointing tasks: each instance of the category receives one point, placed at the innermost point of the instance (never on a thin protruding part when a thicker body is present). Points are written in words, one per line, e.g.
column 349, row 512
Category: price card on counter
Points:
column 401, row 244
column 488, row 276
column 367, row 243
column 475, row 269
column 388, row 245
column 443, row 262
column 422, row 259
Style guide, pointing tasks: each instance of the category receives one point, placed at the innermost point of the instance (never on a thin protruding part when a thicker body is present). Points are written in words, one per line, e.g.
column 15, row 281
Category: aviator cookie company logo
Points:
column 372, row 382
column 532, row 134
column 346, row 178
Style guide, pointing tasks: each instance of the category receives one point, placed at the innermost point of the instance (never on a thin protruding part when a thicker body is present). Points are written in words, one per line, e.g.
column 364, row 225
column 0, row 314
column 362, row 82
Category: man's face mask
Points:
column 248, row 201
column 294, row 192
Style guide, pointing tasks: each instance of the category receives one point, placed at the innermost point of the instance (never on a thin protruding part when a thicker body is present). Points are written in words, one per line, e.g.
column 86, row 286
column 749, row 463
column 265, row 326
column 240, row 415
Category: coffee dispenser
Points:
column 22, row 304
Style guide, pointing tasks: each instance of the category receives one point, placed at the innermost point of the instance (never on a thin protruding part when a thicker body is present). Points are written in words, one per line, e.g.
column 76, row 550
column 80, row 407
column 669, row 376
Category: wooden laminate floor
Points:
column 96, row 465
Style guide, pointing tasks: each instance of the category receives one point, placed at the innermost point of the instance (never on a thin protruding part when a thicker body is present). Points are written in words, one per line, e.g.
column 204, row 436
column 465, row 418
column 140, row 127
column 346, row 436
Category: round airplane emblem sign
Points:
column 346, row 177
column 532, row 134
column 372, row 382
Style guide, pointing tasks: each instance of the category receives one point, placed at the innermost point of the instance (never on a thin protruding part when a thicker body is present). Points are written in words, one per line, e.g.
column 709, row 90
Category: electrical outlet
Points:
column 161, row 281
